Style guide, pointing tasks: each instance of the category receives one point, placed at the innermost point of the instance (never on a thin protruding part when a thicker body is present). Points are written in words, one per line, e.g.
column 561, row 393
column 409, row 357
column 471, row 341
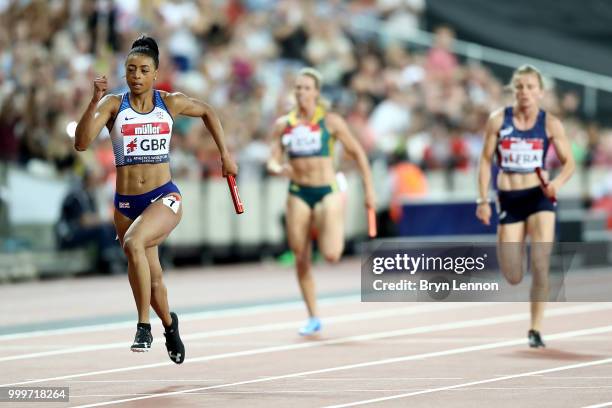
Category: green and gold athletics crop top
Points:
column 308, row 140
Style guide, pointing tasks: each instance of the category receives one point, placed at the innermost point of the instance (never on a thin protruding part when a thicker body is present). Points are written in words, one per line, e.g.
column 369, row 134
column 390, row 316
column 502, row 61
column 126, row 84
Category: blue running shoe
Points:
column 313, row 325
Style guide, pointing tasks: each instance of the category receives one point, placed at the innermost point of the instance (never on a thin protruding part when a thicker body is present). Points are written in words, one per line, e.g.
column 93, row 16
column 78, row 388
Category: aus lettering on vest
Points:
column 303, row 140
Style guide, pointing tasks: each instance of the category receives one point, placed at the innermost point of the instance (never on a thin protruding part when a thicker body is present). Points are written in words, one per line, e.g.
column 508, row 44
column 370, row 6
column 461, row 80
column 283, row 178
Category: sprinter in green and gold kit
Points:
column 306, row 136
column 312, row 139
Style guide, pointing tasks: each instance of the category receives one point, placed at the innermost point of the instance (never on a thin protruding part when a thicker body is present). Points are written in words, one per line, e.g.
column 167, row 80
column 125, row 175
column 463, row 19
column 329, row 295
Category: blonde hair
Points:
column 528, row 69
column 314, row 74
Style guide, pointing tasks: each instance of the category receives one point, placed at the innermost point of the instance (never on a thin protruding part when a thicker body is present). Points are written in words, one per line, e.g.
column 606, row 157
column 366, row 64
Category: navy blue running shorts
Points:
column 133, row 205
column 517, row 205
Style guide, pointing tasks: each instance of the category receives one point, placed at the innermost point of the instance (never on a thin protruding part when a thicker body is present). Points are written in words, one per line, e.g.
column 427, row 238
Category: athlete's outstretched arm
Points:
column 354, row 149
column 181, row 104
column 275, row 163
column 97, row 114
column 483, row 210
column 564, row 153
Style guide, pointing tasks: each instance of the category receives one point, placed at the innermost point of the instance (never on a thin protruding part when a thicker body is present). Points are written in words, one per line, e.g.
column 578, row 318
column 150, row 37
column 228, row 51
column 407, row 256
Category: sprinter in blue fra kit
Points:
column 519, row 136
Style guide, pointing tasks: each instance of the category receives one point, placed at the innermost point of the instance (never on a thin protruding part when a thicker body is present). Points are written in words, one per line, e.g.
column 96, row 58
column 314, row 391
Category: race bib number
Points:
column 303, row 140
column 173, row 202
column 522, row 154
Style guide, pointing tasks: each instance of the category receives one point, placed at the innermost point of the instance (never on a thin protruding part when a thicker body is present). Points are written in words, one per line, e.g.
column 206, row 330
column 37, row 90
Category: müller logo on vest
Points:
column 522, row 144
column 141, row 129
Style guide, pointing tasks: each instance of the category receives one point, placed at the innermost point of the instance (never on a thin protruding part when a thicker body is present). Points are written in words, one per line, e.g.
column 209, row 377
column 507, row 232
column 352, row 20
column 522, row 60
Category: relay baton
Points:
column 372, row 232
column 231, row 182
column 544, row 184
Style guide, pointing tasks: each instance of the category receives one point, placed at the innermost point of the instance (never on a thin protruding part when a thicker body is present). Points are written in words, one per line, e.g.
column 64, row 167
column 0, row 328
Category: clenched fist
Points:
column 100, row 86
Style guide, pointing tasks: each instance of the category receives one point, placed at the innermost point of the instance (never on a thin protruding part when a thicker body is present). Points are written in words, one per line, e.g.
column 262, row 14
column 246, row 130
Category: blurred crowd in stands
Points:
column 422, row 106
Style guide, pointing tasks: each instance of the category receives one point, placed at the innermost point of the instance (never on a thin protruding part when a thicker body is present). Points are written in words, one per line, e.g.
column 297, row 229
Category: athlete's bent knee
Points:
column 332, row 256
column 156, row 284
column 514, row 279
column 132, row 246
column 301, row 257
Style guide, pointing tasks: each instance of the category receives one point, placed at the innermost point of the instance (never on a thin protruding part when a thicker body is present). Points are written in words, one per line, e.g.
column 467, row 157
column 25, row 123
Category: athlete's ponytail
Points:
column 146, row 45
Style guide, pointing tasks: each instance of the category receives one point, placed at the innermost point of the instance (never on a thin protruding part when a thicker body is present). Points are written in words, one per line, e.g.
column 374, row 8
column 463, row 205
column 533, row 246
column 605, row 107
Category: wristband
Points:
column 275, row 168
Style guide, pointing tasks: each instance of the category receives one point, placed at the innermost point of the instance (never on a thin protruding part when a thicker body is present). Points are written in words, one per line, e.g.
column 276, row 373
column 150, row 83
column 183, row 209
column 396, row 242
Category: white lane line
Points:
column 263, row 392
column 146, row 380
column 602, row 405
column 108, row 395
column 514, row 342
column 212, row 314
column 468, row 384
column 290, row 325
column 352, row 317
column 461, row 324
column 347, row 390
column 244, row 392
column 382, row 378
column 592, row 377
column 535, row 388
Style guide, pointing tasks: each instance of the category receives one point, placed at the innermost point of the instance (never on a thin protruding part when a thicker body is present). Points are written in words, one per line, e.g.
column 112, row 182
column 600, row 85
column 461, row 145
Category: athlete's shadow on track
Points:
column 555, row 354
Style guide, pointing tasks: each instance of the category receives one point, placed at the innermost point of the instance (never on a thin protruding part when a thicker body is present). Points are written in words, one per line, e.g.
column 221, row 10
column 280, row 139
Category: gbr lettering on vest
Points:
column 146, row 142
